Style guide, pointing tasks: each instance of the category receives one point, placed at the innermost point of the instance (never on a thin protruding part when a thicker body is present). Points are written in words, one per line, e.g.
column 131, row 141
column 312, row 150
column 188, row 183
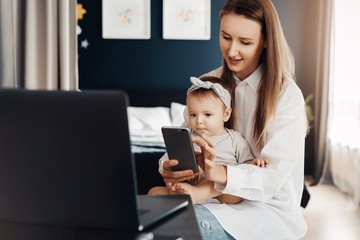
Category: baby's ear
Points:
column 227, row 114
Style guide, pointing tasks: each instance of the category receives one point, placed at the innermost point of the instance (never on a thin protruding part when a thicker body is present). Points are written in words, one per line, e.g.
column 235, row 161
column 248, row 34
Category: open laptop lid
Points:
column 65, row 159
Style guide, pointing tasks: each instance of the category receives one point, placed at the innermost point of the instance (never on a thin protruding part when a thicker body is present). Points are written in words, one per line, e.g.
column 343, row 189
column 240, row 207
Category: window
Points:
column 345, row 97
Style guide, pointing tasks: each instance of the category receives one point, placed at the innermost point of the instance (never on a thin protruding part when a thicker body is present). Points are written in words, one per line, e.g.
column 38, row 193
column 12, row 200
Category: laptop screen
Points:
column 65, row 158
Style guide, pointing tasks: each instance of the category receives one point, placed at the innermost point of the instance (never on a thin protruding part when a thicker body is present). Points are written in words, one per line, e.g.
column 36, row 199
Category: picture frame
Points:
column 187, row 19
column 126, row 19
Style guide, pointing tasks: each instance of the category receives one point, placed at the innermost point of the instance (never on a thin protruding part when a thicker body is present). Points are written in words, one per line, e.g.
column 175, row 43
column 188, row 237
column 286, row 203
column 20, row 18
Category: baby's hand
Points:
column 261, row 162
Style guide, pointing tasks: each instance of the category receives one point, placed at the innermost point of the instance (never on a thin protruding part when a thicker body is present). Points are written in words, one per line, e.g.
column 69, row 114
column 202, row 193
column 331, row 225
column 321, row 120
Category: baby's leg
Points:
column 199, row 193
column 229, row 199
column 159, row 191
column 186, row 188
column 183, row 188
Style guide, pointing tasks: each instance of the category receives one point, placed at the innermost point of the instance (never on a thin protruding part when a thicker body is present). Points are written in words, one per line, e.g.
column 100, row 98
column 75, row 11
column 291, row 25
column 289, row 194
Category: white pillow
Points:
column 177, row 113
column 148, row 119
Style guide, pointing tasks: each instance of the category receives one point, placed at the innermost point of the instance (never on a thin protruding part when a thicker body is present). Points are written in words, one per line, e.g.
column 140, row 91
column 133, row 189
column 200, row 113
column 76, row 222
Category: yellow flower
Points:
column 80, row 11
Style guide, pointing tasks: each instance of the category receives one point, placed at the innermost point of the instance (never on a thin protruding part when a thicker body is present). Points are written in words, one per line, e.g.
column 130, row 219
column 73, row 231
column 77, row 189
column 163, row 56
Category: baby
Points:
column 208, row 109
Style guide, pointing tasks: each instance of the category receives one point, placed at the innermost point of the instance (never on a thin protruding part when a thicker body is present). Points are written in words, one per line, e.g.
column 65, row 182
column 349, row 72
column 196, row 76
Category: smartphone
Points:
column 180, row 147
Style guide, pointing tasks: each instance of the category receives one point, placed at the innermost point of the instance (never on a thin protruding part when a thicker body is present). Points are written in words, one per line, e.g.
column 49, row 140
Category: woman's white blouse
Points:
column 272, row 194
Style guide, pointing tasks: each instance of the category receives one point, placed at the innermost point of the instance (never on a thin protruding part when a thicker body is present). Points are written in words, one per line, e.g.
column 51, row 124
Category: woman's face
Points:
column 241, row 44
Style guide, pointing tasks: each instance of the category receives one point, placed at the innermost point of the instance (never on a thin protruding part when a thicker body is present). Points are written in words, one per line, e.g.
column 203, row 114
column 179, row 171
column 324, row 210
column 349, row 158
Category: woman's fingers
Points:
column 203, row 140
column 207, row 152
column 215, row 172
column 168, row 164
column 175, row 176
column 207, row 146
column 209, row 164
column 200, row 159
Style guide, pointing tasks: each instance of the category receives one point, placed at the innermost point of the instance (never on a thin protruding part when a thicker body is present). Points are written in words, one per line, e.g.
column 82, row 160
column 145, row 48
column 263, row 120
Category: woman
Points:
column 269, row 113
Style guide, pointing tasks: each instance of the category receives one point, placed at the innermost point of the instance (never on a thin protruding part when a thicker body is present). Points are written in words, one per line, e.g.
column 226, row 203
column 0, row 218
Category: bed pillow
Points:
column 148, row 119
column 177, row 113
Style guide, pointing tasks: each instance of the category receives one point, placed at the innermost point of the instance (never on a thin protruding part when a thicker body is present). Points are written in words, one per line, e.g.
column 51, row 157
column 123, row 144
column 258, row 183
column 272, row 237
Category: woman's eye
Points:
column 192, row 115
column 246, row 43
column 226, row 37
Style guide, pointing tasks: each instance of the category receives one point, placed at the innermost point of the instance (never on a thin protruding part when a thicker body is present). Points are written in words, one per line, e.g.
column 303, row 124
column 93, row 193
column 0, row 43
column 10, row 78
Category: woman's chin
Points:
column 235, row 67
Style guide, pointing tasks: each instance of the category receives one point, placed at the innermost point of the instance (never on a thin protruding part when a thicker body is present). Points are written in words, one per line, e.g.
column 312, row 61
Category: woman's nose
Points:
column 233, row 50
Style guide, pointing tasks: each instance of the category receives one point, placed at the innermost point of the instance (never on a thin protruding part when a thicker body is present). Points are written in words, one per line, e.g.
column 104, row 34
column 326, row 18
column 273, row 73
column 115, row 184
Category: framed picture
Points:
column 187, row 19
column 126, row 19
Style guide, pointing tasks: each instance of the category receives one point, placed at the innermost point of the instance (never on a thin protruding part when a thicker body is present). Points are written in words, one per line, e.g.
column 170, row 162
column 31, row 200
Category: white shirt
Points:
column 271, row 209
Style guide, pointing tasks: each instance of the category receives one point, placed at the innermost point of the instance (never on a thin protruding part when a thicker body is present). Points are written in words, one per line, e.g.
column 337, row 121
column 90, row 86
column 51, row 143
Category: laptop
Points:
column 65, row 159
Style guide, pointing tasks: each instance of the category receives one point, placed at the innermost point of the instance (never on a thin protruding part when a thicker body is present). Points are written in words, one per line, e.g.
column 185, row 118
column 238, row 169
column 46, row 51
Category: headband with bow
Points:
column 223, row 94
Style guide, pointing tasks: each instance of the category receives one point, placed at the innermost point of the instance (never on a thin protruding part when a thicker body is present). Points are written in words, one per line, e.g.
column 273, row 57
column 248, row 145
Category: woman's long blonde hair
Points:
column 276, row 58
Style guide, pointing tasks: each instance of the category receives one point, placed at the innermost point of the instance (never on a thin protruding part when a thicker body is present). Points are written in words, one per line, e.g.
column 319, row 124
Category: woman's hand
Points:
column 207, row 147
column 175, row 176
column 213, row 171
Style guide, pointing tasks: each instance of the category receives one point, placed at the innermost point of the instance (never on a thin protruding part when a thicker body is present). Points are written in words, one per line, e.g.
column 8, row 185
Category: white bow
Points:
column 223, row 94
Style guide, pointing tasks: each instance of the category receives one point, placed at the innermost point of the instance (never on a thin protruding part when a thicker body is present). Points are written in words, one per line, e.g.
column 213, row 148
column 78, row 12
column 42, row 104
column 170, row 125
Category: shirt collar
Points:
column 253, row 80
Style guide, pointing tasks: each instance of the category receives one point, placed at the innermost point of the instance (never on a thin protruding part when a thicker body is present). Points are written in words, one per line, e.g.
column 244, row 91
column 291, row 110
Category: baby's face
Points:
column 207, row 114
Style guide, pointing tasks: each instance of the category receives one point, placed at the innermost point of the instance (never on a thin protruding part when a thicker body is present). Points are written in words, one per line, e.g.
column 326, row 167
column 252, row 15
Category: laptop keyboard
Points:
column 142, row 211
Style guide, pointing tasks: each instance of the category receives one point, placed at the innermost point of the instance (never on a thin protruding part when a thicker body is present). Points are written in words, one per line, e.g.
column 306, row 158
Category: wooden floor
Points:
column 329, row 216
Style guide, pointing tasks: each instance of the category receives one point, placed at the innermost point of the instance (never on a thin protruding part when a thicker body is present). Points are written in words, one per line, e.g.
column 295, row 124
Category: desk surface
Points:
column 181, row 224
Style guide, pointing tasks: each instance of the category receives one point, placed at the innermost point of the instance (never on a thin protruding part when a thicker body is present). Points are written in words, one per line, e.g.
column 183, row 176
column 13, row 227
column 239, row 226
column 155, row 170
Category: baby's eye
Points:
column 208, row 114
column 192, row 115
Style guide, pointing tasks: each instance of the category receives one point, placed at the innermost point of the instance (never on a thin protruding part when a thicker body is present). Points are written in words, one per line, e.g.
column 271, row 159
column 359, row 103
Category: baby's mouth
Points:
column 201, row 130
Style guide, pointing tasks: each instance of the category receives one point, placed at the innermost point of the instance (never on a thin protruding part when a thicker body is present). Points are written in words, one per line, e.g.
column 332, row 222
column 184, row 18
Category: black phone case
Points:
column 180, row 147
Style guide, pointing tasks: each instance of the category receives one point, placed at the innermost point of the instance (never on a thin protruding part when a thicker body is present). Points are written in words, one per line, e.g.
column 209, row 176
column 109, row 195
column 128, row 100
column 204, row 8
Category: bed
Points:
column 148, row 111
